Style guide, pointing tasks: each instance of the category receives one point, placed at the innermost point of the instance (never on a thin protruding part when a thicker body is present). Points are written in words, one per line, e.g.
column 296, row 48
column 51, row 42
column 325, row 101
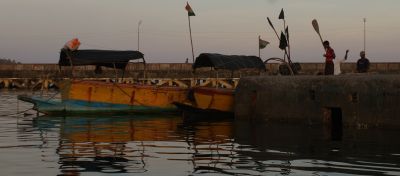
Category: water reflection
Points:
column 128, row 144
column 293, row 149
column 170, row 145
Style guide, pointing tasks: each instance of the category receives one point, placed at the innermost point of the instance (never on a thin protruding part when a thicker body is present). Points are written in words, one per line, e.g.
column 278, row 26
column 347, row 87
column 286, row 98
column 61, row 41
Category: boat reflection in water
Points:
column 137, row 144
column 170, row 145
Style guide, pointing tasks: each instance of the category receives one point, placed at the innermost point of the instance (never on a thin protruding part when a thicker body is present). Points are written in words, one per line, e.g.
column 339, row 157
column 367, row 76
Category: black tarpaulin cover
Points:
column 106, row 58
column 229, row 62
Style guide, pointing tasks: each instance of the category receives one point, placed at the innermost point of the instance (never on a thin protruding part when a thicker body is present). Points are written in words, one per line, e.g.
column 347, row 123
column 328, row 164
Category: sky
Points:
column 33, row 31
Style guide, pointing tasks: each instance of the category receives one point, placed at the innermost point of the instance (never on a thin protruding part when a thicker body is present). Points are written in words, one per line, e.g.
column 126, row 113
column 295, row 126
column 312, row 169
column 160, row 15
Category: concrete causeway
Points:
column 353, row 100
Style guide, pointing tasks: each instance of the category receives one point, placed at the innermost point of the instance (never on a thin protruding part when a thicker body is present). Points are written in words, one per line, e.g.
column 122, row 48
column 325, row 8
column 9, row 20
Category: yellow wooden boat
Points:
column 124, row 94
column 95, row 96
column 209, row 102
column 216, row 101
column 78, row 96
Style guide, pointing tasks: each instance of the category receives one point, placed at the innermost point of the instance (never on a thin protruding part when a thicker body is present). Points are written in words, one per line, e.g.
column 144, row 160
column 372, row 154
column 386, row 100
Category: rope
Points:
column 52, row 96
column 123, row 91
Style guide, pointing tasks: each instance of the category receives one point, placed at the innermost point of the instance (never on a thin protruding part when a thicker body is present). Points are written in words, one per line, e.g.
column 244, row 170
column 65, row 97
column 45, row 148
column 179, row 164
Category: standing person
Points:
column 337, row 62
column 362, row 63
column 329, row 56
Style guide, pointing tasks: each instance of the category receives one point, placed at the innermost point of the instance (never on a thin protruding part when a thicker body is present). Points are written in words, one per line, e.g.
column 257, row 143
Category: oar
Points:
column 272, row 26
column 316, row 28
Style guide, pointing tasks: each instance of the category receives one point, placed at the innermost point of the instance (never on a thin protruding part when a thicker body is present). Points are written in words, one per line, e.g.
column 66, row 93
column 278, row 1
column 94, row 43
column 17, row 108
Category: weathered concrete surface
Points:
column 365, row 100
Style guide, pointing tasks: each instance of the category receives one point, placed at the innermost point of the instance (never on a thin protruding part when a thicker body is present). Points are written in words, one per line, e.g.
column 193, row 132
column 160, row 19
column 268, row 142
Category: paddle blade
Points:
column 315, row 25
column 270, row 23
column 345, row 56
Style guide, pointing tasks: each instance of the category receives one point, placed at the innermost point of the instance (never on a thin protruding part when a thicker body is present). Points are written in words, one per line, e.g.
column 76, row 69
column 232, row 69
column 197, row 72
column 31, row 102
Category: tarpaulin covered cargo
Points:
column 229, row 62
column 106, row 58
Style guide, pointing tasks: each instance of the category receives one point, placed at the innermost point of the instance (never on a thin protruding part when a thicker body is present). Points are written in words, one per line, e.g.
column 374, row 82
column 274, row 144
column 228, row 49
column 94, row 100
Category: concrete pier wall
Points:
column 363, row 100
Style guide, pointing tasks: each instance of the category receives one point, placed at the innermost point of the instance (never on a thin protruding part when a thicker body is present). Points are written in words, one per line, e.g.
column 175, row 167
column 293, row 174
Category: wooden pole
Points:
column 287, row 39
column 365, row 20
column 138, row 34
column 70, row 62
column 272, row 26
column 191, row 41
column 284, row 25
column 315, row 25
column 259, row 50
column 116, row 73
column 286, row 53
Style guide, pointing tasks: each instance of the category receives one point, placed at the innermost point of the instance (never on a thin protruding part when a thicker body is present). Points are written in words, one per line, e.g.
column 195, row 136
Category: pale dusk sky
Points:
column 33, row 31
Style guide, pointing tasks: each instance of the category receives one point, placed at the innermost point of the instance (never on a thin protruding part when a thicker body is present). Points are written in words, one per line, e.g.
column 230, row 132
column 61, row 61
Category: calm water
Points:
column 169, row 145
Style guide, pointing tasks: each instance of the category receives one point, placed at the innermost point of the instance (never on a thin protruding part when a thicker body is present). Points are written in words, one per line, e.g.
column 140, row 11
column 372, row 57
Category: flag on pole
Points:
column 283, row 42
column 282, row 15
column 189, row 9
column 262, row 43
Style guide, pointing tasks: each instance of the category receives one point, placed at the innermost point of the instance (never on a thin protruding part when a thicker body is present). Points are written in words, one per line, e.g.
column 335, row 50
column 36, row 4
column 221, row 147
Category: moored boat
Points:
column 85, row 97
column 216, row 102
column 209, row 102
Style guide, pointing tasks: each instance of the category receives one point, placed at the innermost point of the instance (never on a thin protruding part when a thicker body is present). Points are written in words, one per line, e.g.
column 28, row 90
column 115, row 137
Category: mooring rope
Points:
column 123, row 91
column 51, row 97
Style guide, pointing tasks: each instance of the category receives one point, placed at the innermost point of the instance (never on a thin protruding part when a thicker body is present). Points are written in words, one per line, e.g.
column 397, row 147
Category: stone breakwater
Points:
column 355, row 101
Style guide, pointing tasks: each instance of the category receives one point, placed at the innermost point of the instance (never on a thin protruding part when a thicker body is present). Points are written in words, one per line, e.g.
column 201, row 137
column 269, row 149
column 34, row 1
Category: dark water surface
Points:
column 169, row 145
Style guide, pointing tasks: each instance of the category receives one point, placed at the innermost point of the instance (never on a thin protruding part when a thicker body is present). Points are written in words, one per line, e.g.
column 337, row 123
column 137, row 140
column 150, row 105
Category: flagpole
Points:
column 259, row 49
column 365, row 20
column 191, row 41
column 138, row 32
column 284, row 24
column 284, row 28
column 287, row 38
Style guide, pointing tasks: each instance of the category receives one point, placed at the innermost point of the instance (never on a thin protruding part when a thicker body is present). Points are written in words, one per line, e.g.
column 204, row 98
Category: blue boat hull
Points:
column 55, row 106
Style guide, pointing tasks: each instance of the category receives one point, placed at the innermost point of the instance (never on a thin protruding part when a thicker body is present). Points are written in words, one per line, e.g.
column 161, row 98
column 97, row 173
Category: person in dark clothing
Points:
column 362, row 63
column 329, row 56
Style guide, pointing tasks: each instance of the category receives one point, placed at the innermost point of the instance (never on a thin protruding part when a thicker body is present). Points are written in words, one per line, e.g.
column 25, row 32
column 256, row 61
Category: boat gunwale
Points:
column 211, row 90
column 126, row 85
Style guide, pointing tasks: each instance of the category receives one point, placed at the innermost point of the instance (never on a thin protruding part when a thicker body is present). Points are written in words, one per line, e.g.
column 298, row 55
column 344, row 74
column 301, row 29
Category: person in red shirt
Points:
column 329, row 56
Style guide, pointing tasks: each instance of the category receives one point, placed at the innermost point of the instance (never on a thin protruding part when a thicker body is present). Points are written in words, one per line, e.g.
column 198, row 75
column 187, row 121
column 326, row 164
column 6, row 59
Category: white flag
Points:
column 262, row 43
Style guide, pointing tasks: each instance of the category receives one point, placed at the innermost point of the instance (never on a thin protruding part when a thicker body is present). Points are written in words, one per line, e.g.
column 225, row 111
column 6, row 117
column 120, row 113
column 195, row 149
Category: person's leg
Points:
column 329, row 68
